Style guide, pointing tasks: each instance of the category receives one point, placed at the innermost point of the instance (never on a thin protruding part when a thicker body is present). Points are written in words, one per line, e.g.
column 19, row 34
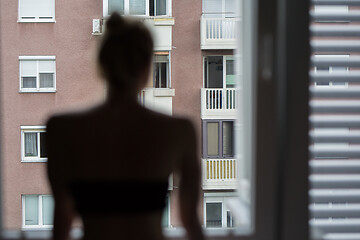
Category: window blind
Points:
column 36, row 8
column 335, row 121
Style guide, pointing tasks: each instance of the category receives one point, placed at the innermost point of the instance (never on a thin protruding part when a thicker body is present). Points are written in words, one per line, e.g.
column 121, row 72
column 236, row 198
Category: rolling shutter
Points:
column 335, row 121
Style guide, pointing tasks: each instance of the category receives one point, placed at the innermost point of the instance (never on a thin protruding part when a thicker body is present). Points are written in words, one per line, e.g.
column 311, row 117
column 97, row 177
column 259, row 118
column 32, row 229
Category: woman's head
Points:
column 125, row 52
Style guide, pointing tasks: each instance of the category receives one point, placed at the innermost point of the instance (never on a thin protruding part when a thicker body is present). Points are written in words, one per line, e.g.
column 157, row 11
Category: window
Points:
column 218, row 138
column 33, row 144
column 36, row 10
column 217, row 213
column 37, row 211
column 161, row 71
column 219, row 8
column 137, row 7
column 219, row 72
column 37, row 74
column 331, row 70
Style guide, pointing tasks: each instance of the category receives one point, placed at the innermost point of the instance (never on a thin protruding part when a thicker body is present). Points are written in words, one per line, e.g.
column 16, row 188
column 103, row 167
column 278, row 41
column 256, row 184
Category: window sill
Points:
column 38, row 160
column 36, row 21
column 38, row 91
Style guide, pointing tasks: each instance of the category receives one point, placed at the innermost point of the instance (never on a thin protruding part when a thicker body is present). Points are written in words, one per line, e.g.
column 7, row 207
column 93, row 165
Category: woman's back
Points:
column 111, row 164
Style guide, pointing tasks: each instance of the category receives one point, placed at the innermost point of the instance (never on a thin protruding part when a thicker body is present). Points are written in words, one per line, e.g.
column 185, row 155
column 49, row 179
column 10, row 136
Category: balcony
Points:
column 157, row 99
column 219, row 174
column 217, row 103
column 219, row 33
column 160, row 28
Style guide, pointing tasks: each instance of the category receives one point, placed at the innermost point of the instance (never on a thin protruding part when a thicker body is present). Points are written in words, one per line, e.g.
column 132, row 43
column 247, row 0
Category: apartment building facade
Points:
column 48, row 52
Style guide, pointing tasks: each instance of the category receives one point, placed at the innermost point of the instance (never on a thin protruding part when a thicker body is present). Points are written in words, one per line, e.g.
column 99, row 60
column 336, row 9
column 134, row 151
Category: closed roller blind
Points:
column 335, row 120
column 36, row 8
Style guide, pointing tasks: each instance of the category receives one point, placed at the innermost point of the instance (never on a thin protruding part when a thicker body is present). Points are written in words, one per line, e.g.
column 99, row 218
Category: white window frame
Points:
column 44, row 19
column 331, row 71
column 31, row 129
column 40, row 212
column 37, row 59
column 168, row 71
column 147, row 14
column 225, row 58
column 219, row 198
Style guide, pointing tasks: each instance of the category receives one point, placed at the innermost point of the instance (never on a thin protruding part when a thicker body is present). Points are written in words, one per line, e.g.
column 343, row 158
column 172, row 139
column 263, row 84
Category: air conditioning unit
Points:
column 97, row 27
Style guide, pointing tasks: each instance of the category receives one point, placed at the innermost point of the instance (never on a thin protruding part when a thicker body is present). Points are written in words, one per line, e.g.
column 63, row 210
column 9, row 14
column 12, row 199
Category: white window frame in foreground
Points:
column 147, row 8
column 35, row 72
column 220, row 198
column 40, row 212
column 37, row 130
column 36, row 11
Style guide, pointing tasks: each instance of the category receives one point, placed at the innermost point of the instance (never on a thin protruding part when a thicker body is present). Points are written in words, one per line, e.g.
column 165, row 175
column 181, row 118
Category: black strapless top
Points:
column 119, row 197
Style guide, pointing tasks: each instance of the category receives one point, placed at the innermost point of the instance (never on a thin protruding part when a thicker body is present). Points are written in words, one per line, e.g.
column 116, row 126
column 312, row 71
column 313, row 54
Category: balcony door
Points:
column 219, row 8
column 219, row 72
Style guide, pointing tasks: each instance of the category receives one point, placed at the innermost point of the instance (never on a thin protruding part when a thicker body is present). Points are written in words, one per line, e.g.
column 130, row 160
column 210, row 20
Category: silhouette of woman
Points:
column 110, row 164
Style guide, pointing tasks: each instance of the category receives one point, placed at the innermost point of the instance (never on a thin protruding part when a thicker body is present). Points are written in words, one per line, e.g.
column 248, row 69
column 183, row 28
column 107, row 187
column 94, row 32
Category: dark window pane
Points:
column 43, row 152
column 163, row 71
column 214, row 75
column 161, row 64
column 151, row 8
column 213, row 215
column 29, row 82
column 228, row 138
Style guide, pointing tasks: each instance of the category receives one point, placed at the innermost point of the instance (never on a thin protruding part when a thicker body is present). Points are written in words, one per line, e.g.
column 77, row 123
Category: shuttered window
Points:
column 335, row 120
column 36, row 10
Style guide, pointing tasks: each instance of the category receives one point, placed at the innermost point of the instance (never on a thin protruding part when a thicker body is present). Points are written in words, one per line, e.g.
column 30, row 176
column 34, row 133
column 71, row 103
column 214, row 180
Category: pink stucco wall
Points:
column 77, row 84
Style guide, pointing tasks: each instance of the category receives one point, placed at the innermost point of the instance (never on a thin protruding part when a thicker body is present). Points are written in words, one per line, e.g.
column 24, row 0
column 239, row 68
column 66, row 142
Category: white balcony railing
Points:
column 219, row 173
column 218, row 102
column 219, row 33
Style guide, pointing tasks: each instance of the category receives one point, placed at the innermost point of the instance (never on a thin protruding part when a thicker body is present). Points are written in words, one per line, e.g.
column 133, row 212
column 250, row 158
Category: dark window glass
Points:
column 214, row 74
column 43, row 152
column 29, row 82
column 213, row 215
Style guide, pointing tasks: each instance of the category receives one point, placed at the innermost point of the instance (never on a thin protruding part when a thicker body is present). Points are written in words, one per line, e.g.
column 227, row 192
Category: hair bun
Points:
column 115, row 23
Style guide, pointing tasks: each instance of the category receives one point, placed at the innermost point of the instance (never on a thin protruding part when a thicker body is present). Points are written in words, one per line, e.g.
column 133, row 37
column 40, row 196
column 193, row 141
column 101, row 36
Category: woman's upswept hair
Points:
column 125, row 52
